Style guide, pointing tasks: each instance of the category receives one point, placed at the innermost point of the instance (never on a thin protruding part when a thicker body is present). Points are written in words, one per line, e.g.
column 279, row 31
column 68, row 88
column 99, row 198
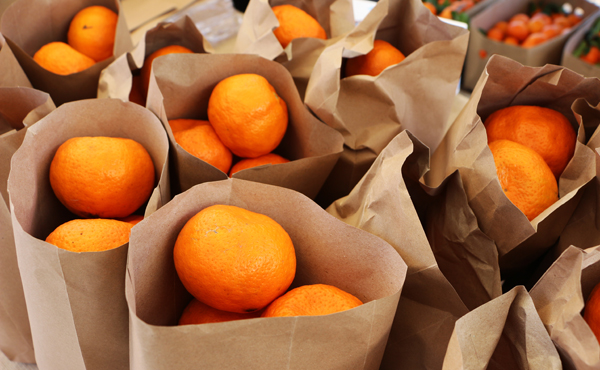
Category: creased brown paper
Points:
column 415, row 94
column 429, row 305
column 505, row 333
column 12, row 74
column 549, row 52
column 19, row 106
column 181, row 89
column 327, row 250
column 559, row 301
column 30, row 24
column 76, row 301
column 116, row 79
column 505, row 83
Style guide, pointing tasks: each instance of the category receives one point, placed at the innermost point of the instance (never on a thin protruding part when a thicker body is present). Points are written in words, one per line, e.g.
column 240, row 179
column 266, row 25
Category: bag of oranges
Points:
column 223, row 111
column 100, row 158
column 20, row 107
column 371, row 108
column 531, row 32
column 582, row 51
column 327, row 252
column 63, row 46
column 523, row 214
column 559, row 296
column 129, row 82
column 505, row 333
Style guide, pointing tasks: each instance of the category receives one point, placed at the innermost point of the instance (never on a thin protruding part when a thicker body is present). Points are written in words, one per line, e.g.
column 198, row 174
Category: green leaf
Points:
column 461, row 17
column 582, row 49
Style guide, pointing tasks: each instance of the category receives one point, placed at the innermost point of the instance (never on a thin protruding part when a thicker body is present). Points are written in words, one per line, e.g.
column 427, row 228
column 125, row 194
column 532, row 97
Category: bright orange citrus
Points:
column 312, row 300
column 591, row 313
column 233, row 259
column 147, row 67
column 375, row 61
column 295, row 23
column 90, row 235
column 197, row 312
column 92, row 32
column 62, row 59
column 270, row 158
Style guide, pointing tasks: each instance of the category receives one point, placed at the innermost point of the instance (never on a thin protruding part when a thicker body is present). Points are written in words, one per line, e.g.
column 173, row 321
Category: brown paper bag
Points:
column 573, row 63
column 429, row 304
column 30, row 24
column 19, row 106
column 548, row 52
column 327, row 250
column 76, row 297
column 116, row 79
column 465, row 149
column 256, row 34
column 559, row 301
column 12, row 74
column 505, row 333
column 185, row 83
column 371, row 111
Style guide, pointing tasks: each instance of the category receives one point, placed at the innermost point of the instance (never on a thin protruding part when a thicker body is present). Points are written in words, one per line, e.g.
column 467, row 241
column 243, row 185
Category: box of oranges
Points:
column 532, row 33
column 582, row 51
column 458, row 10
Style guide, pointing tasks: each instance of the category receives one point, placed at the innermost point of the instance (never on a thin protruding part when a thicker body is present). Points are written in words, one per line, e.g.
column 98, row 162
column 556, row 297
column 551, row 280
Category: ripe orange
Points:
column 201, row 141
column 132, row 219
column 524, row 176
column 295, row 23
column 375, row 61
column 248, row 115
column 312, row 300
column 431, row 7
column 62, row 59
column 591, row 314
column 534, row 39
column 233, row 259
column 90, row 235
column 517, row 29
column 92, row 32
column 270, row 158
column 544, row 130
column 105, row 177
column 147, row 67
column 520, row 17
column 197, row 312
column 495, row 34
column 511, row 41
column 538, row 22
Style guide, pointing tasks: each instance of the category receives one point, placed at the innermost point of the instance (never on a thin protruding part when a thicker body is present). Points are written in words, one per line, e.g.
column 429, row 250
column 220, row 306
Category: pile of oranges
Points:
column 531, row 147
column 530, row 30
column 237, row 264
column 91, row 39
column 451, row 9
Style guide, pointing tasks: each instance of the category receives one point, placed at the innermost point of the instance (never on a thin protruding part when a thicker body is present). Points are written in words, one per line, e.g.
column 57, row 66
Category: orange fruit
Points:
column 544, row 130
column 233, row 259
column 92, row 32
column 593, row 56
column 312, row 300
column 197, row 312
column 62, row 59
column 538, row 21
column 90, row 235
column 524, row 176
column 248, row 115
column 295, row 23
column 106, row 177
column 375, row 61
column 502, row 26
column 495, row 34
column 573, row 19
column 147, row 67
column 270, row 158
column 551, row 30
column 431, row 7
column 132, row 219
column 520, row 17
column 591, row 314
column 136, row 94
column 562, row 21
column 534, row 39
column 517, row 29
column 201, row 141
column 511, row 41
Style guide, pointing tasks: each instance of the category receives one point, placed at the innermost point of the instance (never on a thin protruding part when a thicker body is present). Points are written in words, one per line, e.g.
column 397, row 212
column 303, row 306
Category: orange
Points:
column 517, row 29
column 573, row 19
column 248, row 115
column 534, row 39
column 270, row 158
column 132, row 219
column 233, row 259
column 431, row 7
column 312, row 300
column 136, row 95
column 511, row 41
column 502, row 26
column 147, row 67
column 92, row 32
column 520, row 17
column 562, row 21
column 106, row 177
column 591, row 314
column 201, row 141
column 495, row 34
column 524, row 176
column 593, row 56
column 197, row 312
column 62, row 59
column 90, row 235
column 375, row 61
column 544, row 130
column 551, row 30
column 295, row 23
column 181, row 124
column 538, row 21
